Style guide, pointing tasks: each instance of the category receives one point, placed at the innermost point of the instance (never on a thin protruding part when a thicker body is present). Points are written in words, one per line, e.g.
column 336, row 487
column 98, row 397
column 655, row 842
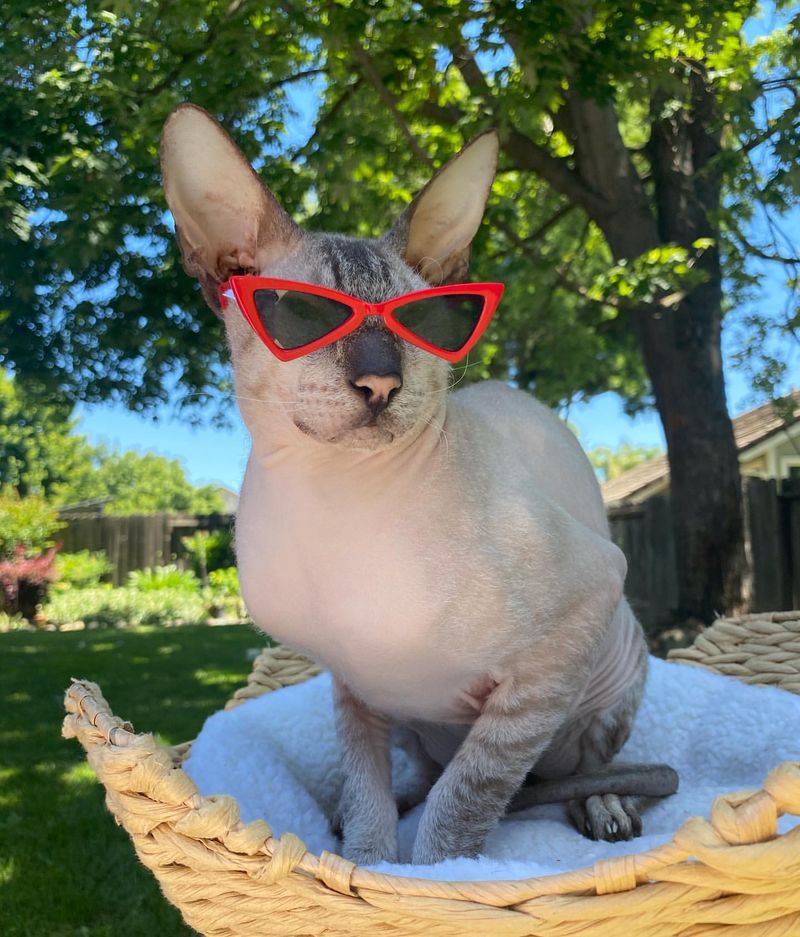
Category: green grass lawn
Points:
column 66, row 869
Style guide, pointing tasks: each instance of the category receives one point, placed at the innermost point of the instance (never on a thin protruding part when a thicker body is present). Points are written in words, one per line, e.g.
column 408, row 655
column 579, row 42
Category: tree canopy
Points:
column 137, row 483
column 93, row 302
column 611, row 463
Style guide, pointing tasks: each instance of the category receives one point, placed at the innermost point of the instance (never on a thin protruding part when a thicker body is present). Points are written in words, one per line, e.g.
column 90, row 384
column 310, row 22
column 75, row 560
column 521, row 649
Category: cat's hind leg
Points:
column 604, row 800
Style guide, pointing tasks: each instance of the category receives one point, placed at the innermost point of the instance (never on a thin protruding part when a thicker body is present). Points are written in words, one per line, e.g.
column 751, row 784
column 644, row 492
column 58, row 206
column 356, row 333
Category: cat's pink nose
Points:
column 378, row 389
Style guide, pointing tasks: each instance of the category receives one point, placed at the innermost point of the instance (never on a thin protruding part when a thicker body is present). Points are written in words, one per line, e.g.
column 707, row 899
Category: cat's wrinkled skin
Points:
column 447, row 557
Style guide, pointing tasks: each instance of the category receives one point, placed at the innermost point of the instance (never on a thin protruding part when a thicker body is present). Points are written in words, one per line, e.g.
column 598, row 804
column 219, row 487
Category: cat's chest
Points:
column 359, row 576
column 357, row 583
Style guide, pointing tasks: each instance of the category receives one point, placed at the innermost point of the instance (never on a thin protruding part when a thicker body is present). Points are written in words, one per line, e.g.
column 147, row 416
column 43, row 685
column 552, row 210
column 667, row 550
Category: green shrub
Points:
column 163, row 577
column 27, row 551
column 224, row 582
column 11, row 622
column 30, row 523
column 81, row 569
column 209, row 551
column 24, row 581
column 223, row 593
column 219, row 550
column 196, row 548
column 126, row 606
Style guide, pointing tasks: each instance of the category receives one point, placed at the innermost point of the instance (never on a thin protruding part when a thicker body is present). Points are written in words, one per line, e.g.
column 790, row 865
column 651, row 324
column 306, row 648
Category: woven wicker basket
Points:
column 230, row 879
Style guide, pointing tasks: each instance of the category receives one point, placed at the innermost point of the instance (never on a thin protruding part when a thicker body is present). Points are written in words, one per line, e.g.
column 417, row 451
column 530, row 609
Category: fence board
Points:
column 766, row 530
column 135, row 541
column 644, row 534
column 791, row 495
column 772, row 540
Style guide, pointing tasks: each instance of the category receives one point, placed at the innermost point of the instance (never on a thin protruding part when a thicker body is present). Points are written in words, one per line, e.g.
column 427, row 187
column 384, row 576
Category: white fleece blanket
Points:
column 277, row 756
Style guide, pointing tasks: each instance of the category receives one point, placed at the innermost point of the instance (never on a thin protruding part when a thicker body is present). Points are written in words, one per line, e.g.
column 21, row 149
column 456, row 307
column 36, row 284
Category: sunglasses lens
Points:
column 293, row 319
column 446, row 321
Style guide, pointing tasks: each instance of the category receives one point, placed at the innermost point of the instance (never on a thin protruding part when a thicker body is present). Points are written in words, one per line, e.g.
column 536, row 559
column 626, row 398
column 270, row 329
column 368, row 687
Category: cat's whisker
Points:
column 463, row 368
column 442, row 434
column 276, row 404
column 203, row 393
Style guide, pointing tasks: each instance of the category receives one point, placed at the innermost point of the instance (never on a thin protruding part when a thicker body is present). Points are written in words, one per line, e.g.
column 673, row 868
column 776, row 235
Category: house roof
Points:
column 749, row 428
column 636, row 479
column 91, row 506
column 230, row 498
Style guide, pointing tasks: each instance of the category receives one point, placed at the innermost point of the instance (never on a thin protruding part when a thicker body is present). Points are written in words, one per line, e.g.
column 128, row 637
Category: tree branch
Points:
column 327, row 116
column 564, row 280
column 464, row 61
column 772, row 84
column 765, row 255
column 371, row 74
column 531, row 156
column 210, row 38
column 787, row 120
column 746, row 246
column 447, row 113
column 561, row 271
column 664, row 302
column 525, row 153
column 553, row 220
column 289, row 79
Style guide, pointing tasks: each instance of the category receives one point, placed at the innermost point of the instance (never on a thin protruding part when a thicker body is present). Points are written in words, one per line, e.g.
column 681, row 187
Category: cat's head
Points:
column 227, row 222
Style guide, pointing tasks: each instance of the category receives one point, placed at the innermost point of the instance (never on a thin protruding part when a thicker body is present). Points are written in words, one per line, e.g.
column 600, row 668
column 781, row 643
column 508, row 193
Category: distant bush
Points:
column 220, row 553
column 224, row 582
column 224, row 594
column 212, row 548
column 158, row 578
column 137, row 483
column 126, row 606
column 27, row 551
column 27, row 523
column 196, row 548
column 24, row 581
column 9, row 622
column 81, row 569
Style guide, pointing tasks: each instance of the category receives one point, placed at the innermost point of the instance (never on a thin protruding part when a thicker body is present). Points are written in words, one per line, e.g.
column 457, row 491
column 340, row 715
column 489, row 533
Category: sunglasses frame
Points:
column 244, row 288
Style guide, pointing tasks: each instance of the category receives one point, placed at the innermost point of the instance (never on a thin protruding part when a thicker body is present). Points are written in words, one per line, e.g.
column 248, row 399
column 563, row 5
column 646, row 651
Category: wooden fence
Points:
column 772, row 520
column 136, row 541
column 772, row 546
column 643, row 532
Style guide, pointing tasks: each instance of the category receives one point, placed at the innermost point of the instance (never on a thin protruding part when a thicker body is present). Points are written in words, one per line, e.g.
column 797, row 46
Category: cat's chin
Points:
column 369, row 436
column 364, row 437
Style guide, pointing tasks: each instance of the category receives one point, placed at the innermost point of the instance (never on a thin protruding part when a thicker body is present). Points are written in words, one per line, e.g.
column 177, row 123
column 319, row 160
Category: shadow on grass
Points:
column 66, row 869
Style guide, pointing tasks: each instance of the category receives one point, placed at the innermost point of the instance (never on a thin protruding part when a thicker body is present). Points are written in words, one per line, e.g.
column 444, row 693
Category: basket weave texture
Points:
column 732, row 872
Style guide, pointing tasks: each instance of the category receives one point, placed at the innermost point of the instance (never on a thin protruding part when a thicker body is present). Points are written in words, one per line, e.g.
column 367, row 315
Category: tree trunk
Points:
column 682, row 353
column 680, row 345
column 683, row 356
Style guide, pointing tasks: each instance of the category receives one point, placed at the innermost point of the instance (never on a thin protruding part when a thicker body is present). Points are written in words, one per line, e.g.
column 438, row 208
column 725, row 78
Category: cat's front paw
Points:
column 369, row 829
column 433, row 846
column 428, row 853
column 370, row 853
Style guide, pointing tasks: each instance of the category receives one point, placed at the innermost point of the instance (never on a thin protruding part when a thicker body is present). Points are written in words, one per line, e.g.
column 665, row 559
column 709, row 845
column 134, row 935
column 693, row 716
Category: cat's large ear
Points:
column 435, row 232
column 226, row 220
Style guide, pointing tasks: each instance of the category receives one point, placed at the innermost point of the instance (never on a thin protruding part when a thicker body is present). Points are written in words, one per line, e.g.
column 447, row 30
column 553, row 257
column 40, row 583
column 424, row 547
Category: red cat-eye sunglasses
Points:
column 293, row 319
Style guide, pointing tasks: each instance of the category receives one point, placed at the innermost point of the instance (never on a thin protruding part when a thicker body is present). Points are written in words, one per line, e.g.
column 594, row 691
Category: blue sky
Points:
column 219, row 455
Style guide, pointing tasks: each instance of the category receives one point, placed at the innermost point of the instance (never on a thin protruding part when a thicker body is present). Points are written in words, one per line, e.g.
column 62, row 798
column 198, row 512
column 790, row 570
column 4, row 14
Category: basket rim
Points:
column 742, row 820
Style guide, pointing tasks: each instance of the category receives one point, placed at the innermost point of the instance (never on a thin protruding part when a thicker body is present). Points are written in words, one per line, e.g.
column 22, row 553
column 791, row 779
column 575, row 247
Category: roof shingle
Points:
column 749, row 428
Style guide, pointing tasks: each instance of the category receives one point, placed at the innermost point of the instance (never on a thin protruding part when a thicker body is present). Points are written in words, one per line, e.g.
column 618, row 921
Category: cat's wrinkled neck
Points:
column 310, row 457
